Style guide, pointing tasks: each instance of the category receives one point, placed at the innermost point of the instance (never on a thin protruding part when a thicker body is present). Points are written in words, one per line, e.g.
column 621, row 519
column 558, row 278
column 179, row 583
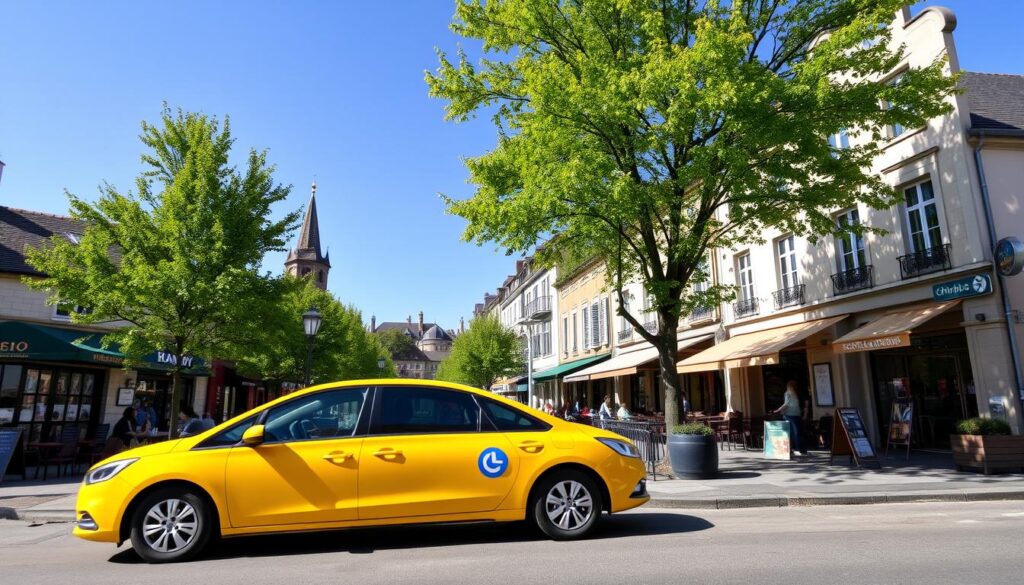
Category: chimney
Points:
column 373, row 323
column 421, row 323
column 462, row 325
column 1, row 169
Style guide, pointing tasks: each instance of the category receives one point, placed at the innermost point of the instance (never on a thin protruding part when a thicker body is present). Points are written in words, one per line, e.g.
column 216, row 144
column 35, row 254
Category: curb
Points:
column 728, row 503
column 29, row 515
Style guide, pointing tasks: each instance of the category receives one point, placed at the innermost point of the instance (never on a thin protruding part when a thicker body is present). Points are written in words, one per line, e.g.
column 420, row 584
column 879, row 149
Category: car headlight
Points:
column 107, row 471
column 623, row 448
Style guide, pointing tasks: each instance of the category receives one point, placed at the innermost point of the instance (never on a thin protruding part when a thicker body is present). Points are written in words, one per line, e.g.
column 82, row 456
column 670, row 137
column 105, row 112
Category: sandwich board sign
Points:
column 850, row 437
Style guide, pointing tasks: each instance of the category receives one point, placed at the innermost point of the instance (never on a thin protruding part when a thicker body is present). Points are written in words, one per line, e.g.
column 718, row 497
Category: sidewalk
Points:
column 747, row 480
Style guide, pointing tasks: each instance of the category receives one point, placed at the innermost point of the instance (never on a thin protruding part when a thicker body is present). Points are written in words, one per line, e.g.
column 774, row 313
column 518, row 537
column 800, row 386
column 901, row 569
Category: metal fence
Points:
column 648, row 436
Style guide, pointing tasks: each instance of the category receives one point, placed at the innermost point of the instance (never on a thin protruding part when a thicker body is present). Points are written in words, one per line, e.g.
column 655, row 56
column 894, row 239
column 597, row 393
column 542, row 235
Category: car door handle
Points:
column 531, row 446
column 338, row 456
column 387, row 453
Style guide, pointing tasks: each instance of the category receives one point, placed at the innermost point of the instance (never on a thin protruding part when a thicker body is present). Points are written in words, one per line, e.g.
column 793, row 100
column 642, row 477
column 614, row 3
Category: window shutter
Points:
column 595, row 324
column 586, row 328
column 604, row 321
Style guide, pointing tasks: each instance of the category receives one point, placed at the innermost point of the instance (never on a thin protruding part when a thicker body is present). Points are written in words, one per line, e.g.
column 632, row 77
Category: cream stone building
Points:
column 913, row 313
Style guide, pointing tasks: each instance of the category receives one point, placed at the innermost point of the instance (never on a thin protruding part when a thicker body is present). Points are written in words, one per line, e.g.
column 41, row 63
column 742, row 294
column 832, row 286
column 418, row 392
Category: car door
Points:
column 425, row 455
column 307, row 468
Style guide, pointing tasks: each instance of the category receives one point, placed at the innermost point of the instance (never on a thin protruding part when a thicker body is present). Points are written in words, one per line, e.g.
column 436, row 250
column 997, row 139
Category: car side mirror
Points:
column 253, row 436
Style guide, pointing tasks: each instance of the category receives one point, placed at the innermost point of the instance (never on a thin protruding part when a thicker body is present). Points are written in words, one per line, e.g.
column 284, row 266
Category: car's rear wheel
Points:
column 567, row 505
column 170, row 524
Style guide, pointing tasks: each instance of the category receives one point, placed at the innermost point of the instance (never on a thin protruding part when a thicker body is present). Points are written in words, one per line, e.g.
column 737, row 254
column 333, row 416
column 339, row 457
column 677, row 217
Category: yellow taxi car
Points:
column 361, row 453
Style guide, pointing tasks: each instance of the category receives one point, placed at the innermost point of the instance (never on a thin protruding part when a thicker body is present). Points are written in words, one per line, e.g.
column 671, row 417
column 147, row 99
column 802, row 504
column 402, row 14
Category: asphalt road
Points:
column 911, row 543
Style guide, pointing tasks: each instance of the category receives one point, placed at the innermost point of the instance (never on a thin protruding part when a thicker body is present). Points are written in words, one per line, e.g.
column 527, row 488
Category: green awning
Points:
column 19, row 340
column 568, row 367
column 40, row 342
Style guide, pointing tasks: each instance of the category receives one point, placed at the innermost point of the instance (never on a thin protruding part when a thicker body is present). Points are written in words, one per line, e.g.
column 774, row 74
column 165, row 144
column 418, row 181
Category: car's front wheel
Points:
column 170, row 524
column 567, row 505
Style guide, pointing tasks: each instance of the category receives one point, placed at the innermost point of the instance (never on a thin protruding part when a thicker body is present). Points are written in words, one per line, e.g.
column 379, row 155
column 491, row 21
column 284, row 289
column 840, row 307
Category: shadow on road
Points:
column 369, row 540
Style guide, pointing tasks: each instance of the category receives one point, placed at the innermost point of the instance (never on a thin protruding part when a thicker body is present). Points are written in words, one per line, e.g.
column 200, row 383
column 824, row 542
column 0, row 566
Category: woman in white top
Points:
column 606, row 409
column 791, row 410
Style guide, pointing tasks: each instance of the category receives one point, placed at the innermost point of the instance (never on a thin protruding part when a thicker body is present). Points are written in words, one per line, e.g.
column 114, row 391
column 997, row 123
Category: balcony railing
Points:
column 651, row 326
column 699, row 314
column 787, row 297
column 625, row 334
column 926, row 261
column 854, row 279
column 745, row 308
column 538, row 308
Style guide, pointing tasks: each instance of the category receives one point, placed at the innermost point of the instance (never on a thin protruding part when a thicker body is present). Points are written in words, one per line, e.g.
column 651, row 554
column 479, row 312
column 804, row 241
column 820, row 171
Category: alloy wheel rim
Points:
column 170, row 525
column 569, row 505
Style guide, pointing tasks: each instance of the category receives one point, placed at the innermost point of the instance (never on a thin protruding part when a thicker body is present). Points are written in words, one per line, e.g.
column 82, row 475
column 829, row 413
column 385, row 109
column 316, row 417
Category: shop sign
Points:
column 968, row 286
column 885, row 342
column 1009, row 255
column 14, row 346
column 776, row 439
column 165, row 357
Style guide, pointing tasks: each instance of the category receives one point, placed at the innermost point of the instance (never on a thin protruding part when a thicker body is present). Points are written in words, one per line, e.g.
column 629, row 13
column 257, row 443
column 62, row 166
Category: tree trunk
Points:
column 175, row 405
column 668, row 350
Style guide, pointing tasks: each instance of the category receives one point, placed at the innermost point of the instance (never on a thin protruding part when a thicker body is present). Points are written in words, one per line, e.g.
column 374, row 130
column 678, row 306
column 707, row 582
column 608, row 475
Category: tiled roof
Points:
column 20, row 228
column 413, row 328
column 996, row 101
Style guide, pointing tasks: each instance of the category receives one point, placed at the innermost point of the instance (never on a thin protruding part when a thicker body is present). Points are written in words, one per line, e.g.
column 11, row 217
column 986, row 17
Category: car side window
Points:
column 322, row 415
column 229, row 436
column 415, row 410
column 507, row 418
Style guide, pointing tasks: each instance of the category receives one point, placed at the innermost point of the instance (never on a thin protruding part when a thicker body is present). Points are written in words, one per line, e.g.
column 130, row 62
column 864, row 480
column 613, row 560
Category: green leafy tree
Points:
column 178, row 260
column 482, row 354
column 275, row 347
column 395, row 341
column 648, row 133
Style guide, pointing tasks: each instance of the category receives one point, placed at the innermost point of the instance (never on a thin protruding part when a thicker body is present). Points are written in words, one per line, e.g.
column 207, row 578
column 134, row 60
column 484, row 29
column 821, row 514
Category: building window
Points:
column 745, row 276
column 850, row 245
column 922, row 217
column 63, row 311
column 896, row 129
column 545, row 338
column 839, row 141
column 575, row 328
column 586, row 327
column 786, row 249
column 565, row 335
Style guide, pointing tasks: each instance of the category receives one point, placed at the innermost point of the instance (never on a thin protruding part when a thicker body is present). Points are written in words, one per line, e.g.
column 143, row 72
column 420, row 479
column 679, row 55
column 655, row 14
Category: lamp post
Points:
column 381, row 363
column 311, row 320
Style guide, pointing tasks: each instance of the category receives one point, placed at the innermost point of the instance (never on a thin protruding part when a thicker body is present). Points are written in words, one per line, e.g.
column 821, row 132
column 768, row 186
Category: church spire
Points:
column 307, row 258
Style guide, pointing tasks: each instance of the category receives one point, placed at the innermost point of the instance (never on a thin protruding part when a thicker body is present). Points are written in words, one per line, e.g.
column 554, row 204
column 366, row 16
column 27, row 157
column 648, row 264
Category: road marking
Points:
column 1013, row 514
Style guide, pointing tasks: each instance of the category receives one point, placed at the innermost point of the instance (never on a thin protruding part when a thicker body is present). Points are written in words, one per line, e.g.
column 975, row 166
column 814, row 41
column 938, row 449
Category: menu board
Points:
column 9, row 446
column 776, row 439
column 849, row 437
column 901, row 424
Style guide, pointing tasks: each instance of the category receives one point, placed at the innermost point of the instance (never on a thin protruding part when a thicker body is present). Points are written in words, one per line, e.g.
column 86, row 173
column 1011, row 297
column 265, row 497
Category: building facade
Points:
column 431, row 344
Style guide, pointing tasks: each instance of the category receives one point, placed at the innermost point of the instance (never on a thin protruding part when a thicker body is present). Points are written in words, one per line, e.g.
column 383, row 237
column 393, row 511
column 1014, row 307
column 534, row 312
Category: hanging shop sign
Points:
column 968, row 286
column 1009, row 255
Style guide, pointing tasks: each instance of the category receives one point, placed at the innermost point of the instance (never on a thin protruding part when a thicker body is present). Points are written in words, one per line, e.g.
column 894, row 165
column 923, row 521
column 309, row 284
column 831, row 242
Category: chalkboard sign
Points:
column 10, row 450
column 850, row 437
column 901, row 424
column 776, row 439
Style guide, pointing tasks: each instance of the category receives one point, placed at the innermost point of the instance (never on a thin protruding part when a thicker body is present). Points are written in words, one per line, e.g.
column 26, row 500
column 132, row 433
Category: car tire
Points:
column 567, row 505
column 171, row 524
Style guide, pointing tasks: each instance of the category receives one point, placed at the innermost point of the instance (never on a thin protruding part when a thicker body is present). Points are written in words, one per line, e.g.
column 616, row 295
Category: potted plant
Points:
column 693, row 451
column 986, row 443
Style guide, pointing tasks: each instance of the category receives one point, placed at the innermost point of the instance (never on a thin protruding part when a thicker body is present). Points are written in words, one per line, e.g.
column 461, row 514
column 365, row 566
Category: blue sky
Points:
column 332, row 89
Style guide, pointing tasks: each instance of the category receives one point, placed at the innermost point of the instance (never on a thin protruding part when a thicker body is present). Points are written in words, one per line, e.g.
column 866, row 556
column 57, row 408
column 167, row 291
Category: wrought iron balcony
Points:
column 787, row 297
column 853, row 280
column 651, row 326
column 926, row 261
column 745, row 307
column 538, row 308
column 626, row 333
column 699, row 314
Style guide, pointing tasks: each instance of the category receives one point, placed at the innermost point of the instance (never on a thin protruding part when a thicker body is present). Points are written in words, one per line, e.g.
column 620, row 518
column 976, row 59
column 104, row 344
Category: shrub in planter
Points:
column 987, row 444
column 692, row 451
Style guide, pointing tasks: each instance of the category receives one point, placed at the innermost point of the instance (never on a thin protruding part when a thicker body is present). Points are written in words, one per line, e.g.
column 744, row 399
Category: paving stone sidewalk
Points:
column 746, row 480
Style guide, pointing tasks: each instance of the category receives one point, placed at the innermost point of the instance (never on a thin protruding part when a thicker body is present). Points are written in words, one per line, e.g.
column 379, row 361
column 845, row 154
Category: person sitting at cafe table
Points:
column 793, row 413
column 125, row 428
column 191, row 424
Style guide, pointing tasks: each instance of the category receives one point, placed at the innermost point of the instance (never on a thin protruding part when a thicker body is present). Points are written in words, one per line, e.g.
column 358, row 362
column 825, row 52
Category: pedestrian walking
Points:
column 606, row 409
column 793, row 413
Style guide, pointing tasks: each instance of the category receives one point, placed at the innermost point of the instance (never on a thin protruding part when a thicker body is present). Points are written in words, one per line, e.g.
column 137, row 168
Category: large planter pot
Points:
column 990, row 453
column 693, row 456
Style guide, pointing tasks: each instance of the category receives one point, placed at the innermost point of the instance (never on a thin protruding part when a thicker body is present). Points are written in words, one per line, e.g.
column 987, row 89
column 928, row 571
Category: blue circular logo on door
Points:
column 492, row 462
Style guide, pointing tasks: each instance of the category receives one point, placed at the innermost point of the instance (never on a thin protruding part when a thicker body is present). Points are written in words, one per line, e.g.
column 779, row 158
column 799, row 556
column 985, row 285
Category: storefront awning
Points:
column 627, row 363
column 568, row 368
column 760, row 348
column 29, row 341
column 891, row 329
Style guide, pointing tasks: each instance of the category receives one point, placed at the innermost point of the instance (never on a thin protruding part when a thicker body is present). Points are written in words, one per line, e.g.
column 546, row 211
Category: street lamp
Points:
column 311, row 320
column 381, row 363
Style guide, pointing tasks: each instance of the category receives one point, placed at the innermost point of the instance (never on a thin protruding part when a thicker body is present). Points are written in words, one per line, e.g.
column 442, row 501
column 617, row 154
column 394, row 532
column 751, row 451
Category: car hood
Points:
column 143, row 451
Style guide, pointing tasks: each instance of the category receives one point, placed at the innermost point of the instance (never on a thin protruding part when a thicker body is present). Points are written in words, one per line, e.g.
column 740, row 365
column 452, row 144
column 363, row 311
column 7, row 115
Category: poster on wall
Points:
column 901, row 425
column 823, row 393
column 125, row 396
